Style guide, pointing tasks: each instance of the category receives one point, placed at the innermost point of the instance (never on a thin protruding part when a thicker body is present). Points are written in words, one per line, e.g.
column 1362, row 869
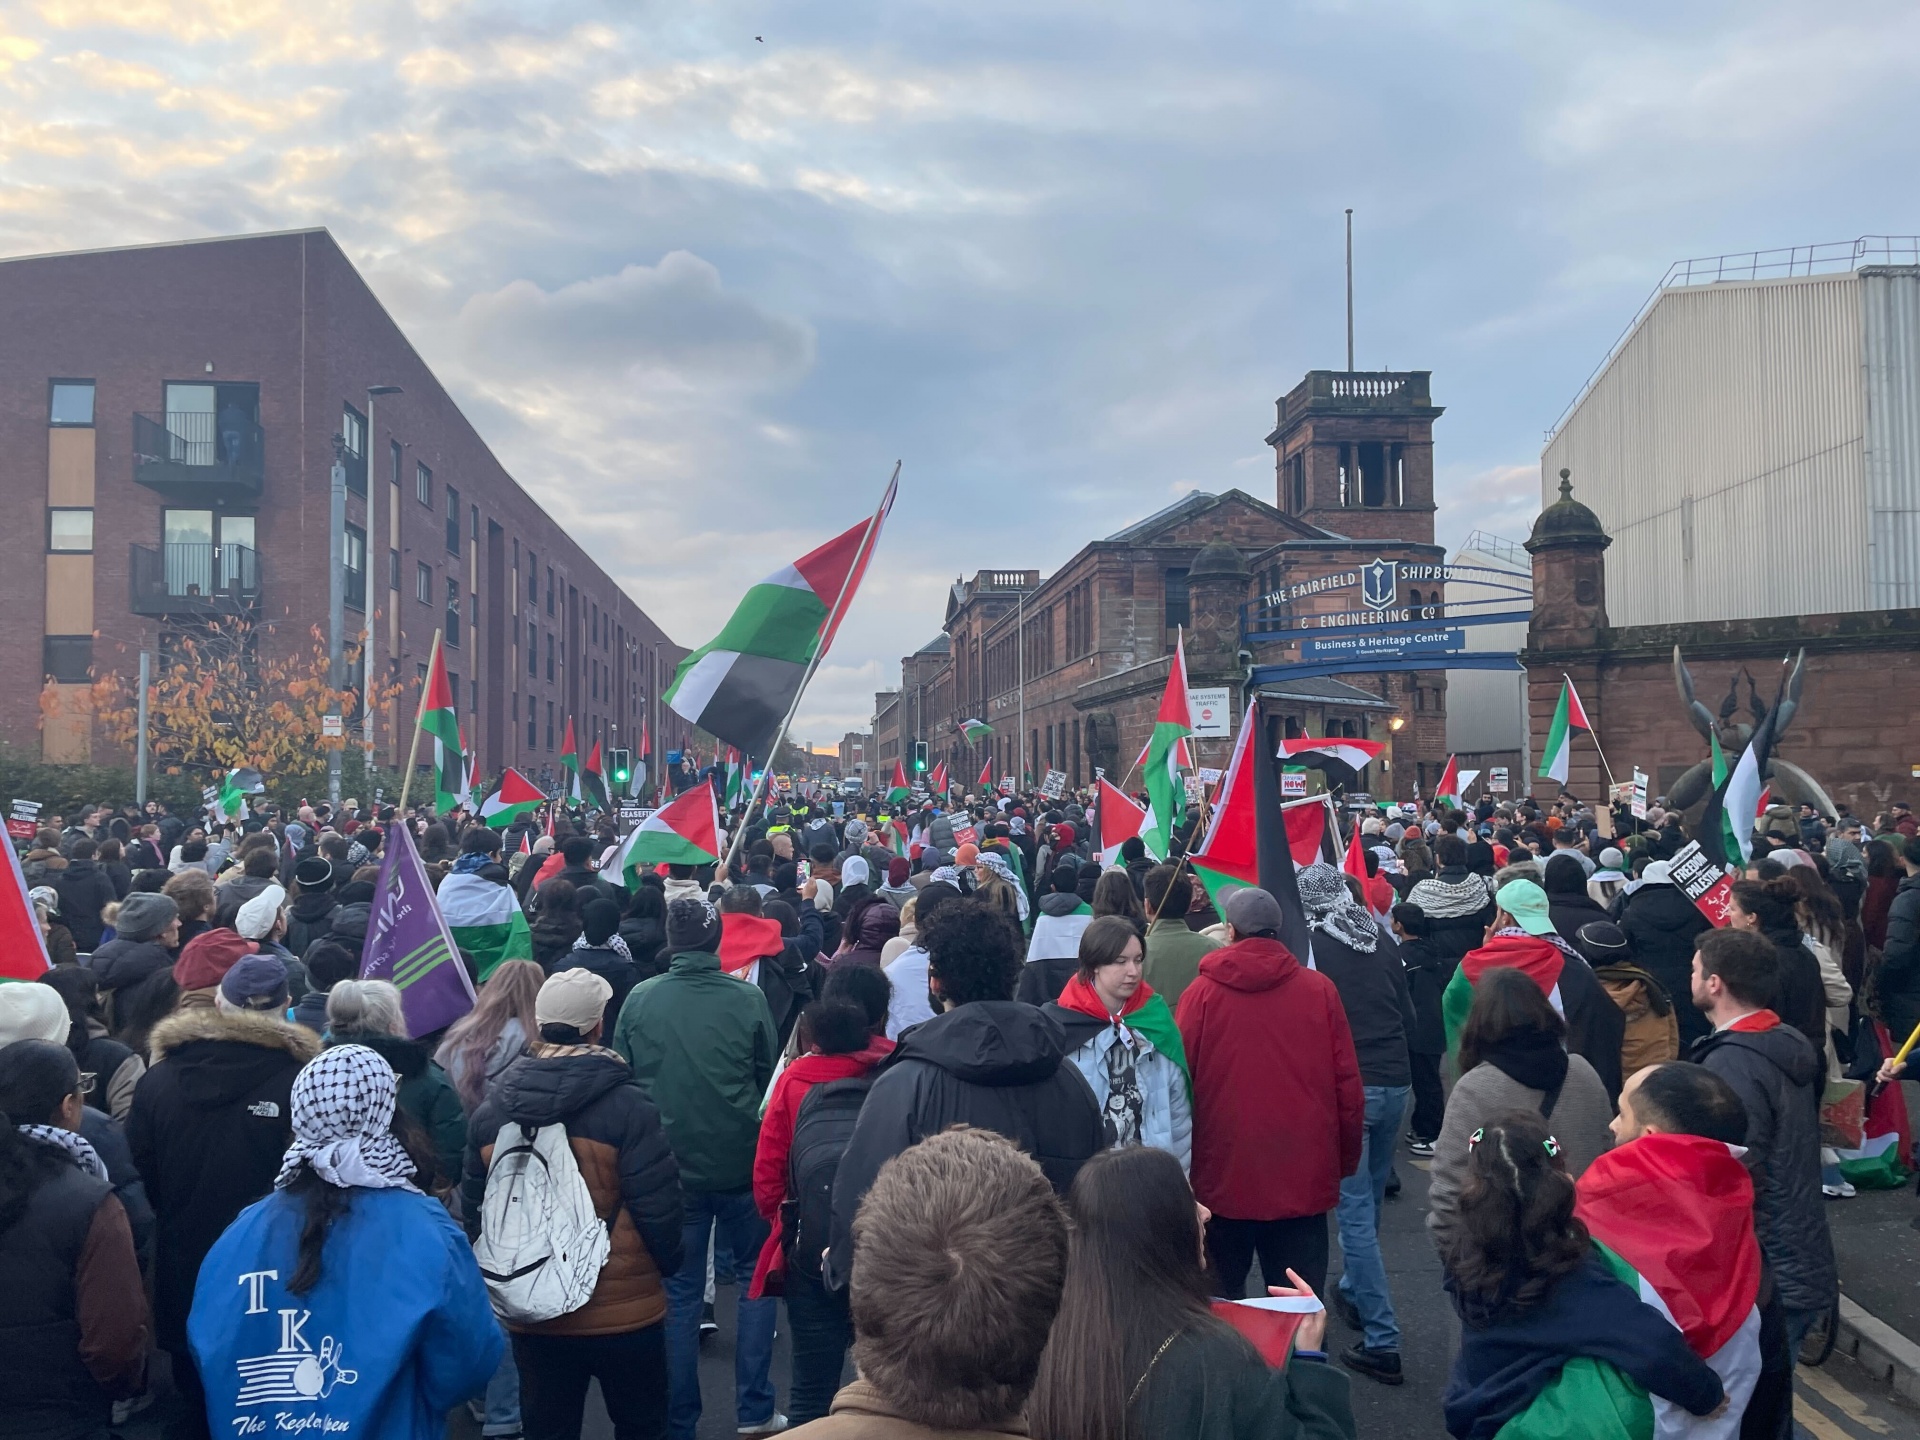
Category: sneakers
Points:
column 1341, row 1304
column 772, row 1425
column 708, row 1325
column 1381, row 1365
column 1842, row 1191
column 1422, row 1148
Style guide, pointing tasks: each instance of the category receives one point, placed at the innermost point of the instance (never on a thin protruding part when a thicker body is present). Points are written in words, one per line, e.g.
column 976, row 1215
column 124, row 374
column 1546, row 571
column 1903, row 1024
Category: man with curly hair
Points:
column 984, row 1059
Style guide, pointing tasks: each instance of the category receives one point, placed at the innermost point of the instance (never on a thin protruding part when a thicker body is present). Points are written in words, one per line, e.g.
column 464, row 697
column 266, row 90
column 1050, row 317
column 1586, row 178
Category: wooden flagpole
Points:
column 419, row 723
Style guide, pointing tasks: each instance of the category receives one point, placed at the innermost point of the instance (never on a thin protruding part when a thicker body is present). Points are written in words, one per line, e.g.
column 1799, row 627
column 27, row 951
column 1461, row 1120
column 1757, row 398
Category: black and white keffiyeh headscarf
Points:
column 614, row 942
column 79, row 1150
column 342, row 1114
column 1330, row 906
column 998, row 864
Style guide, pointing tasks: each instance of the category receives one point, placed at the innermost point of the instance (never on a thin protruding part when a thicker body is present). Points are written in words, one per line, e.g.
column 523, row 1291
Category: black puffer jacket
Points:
column 210, row 1124
column 997, row 1064
column 119, row 965
column 1898, row 978
column 1799, row 996
column 647, row 942
column 1774, row 1071
column 1661, row 925
column 1455, row 923
column 84, row 890
column 611, row 966
column 616, row 1137
column 309, row 918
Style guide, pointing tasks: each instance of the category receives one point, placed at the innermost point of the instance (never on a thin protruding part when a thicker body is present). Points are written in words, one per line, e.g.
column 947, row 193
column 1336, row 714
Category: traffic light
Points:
column 622, row 762
column 920, row 755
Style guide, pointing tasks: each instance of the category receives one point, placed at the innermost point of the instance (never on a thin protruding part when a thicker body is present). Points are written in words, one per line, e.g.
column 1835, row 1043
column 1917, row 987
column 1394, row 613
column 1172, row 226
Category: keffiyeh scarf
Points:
column 1330, row 907
column 614, row 943
column 78, row 1150
column 342, row 1114
column 999, row 866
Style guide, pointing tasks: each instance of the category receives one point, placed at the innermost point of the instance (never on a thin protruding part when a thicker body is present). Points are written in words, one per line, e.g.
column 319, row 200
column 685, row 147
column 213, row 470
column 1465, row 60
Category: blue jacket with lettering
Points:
column 396, row 1333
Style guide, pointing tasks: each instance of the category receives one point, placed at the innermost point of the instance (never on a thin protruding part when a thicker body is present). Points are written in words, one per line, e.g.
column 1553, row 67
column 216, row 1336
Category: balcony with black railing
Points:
column 195, row 578
column 192, row 454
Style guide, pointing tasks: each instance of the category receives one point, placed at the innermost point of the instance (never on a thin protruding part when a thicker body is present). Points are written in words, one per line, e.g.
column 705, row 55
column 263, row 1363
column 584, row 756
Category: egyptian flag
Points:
column 743, row 682
column 1120, row 820
column 1673, row 1217
column 1540, row 959
column 1355, row 754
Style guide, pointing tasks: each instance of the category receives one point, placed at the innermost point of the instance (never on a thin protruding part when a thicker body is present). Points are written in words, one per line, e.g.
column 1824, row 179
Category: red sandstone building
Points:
column 170, row 416
column 1069, row 669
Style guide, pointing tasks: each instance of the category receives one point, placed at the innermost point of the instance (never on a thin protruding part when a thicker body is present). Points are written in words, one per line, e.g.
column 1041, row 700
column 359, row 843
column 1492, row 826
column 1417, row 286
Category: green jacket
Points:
column 1174, row 954
column 1210, row 1384
column 702, row 1045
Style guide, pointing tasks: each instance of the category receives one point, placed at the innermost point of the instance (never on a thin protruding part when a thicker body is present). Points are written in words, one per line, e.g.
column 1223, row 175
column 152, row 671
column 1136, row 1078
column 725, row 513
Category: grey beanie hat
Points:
column 144, row 914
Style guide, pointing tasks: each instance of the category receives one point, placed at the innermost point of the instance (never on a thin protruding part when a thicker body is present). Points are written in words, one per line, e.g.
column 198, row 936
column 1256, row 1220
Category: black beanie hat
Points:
column 692, row 925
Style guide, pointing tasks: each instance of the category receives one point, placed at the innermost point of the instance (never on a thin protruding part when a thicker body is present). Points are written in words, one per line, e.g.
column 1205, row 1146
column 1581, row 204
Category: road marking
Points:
column 1842, row 1399
column 1817, row 1424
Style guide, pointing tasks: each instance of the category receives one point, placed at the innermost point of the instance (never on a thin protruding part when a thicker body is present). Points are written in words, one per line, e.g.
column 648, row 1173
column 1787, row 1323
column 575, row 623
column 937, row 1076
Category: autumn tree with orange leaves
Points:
column 223, row 695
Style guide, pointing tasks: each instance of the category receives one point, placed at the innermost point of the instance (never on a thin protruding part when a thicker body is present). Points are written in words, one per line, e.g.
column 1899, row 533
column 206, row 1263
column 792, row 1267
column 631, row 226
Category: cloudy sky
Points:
column 714, row 265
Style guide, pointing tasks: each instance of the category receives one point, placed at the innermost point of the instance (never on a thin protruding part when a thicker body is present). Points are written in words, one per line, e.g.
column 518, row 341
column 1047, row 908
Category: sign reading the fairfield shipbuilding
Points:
column 1378, row 584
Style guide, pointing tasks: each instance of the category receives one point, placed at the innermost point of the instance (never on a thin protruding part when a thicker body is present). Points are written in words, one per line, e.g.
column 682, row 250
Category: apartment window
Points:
column 393, row 571
column 550, row 589
column 394, row 461
column 453, row 610
column 453, row 688
column 533, row 651
column 474, row 529
column 70, row 532
column 353, row 559
column 533, row 580
column 549, row 655
column 422, row 484
column 533, row 725
column 353, row 439
column 67, row 659
column 549, row 724
column 71, row 403
column 453, row 521
column 423, row 583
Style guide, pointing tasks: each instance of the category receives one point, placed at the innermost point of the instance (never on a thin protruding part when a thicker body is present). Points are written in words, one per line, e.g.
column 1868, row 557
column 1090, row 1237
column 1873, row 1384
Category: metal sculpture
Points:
column 1791, row 785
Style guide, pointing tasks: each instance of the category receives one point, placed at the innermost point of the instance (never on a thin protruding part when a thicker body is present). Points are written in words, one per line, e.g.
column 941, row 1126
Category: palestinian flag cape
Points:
column 1166, row 790
column 898, row 790
column 517, row 796
column 894, row 829
column 570, row 761
column 485, row 919
column 1672, row 1216
column 1538, row 956
column 1120, row 820
column 1447, row 790
column 687, row 832
column 439, row 720
column 23, row 949
column 1145, row 1011
column 1590, row 1399
column 741, row 684
column 1568, row 716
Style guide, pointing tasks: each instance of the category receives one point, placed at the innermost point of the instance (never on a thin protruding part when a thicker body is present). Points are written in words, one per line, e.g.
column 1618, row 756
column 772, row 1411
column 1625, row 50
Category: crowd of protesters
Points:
column 1000, row 1117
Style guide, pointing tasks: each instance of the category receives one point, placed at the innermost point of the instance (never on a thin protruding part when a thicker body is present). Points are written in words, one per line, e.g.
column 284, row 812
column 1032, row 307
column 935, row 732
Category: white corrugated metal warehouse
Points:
column 1752, row 443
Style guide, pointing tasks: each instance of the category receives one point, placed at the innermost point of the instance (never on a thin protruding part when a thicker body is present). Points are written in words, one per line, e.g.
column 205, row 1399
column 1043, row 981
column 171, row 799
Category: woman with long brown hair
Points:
column 1136, row 1352
column 495, row 1033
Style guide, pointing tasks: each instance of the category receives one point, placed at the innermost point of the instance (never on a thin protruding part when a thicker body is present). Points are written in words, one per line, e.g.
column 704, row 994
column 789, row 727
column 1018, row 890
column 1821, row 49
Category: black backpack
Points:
column 820, row 1134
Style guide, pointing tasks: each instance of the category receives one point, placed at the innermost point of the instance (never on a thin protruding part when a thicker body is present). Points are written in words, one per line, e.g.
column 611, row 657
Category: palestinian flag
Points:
column 526, row 838
column 1355, row 863
column 485, row 918
column 1884, row 1159
column 975, row 730
column 896, row 836
column 736, row 782
column 939, row 783
column 898, row 790
column 985, row 782
column 1447, row 790
column 1182, row 756
column 1355, row 754
column 1540, row 959
column 235, row 786
column 23, row 949
column 686, row 832
column 439, row 720
column 517, row 796
column 1228, row 857
column 1166, row 792
column 1120, row 820
column 570, row 761
column 1746, row 793
column 741, row 684
column 1568, row 716
column 595, row 779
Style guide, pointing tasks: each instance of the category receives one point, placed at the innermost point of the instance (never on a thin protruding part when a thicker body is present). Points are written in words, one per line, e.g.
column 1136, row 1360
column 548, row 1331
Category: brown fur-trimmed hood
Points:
column 266, row 1031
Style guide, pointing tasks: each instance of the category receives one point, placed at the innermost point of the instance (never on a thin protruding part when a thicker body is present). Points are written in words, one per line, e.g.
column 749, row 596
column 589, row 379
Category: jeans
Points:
column 1298, row 1243
column 1798, row 1323
column 741, row 1232
column 820, row 1331
column 1429, row 1098
column 1363, row 1277
column 503, row 1397
column 554, row 1371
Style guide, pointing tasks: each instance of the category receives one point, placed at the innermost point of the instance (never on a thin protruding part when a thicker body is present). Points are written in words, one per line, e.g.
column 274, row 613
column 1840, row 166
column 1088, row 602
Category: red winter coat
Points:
column 776, row 1141
column 1277, row 1103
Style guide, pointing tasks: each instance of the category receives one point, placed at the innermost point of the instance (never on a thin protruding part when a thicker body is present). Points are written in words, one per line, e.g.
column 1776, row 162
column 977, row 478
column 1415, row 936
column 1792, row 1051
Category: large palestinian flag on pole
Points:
column 439, row 719
column 594, row 777
column 1120, row 820
column 1673, row 1218
column 517, row 796
column 940, row 784
column 1568, row 716
column 1166, row 788
column 1447, row 788
column 485, row 919
column 985, row 782
column 570, row 761
column 741, row 684
column 687, row 832
column 898, row 789
column 23, row 949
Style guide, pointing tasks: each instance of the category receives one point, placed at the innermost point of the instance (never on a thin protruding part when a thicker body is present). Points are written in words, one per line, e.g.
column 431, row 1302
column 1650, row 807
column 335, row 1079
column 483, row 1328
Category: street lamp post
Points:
column 377, row 571
column 336, row 598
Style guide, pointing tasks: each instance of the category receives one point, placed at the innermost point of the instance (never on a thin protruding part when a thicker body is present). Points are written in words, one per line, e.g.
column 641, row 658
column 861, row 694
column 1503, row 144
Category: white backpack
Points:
column 541, row 1242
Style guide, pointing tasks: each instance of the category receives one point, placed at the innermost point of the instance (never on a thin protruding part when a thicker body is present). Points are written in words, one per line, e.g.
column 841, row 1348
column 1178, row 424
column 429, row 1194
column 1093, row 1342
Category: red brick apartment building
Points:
column 169, row 416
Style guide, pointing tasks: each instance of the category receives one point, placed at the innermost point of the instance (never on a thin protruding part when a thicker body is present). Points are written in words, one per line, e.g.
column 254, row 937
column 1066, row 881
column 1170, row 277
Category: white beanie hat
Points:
column 31, row 1011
